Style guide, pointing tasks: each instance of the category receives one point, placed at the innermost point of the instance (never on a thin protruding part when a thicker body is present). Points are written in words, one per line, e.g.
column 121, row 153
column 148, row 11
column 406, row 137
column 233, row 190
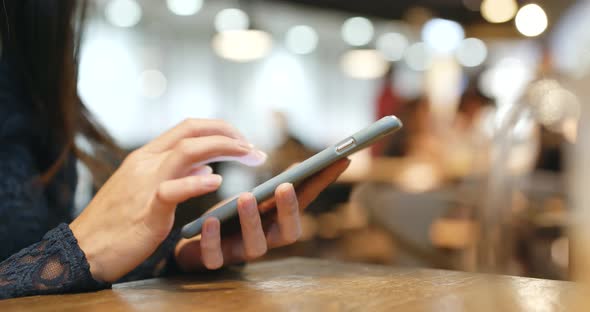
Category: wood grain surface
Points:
column 298, row 284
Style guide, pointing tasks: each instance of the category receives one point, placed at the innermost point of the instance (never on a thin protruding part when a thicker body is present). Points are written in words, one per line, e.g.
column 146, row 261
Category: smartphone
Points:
column 365, row 137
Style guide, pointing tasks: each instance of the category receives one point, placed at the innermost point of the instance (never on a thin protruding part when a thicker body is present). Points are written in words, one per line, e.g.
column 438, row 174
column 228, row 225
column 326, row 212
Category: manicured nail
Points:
column 249, row 205
column 291, row 196
column 261, row 155
column 204, row 170
column 245, row 145
column 212, row 180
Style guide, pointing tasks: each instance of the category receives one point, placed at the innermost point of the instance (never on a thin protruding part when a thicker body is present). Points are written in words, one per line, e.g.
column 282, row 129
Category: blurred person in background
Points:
column 471, row 107
column 416, row 138
column 388, row 103
column 468, row 142
column 125, row 232
column 552, row 137
column 289, row 151
column 292, row 150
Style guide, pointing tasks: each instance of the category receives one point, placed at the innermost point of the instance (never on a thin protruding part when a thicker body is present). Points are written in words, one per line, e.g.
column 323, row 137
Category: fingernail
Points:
column 212, row 228
column 207, row 169
column 204, row 170
column 245, row 145
column 212, row 180
column 249, row 205
column 291, row 196
column 254, row 158
column 261, row 155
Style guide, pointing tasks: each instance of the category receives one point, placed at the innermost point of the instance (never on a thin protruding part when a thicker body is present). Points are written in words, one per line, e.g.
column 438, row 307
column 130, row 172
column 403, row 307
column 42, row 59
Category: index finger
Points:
column 193, row 128
column 195, row 150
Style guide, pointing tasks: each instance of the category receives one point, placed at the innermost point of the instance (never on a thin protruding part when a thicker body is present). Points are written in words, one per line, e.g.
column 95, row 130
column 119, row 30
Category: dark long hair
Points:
column 41, row 38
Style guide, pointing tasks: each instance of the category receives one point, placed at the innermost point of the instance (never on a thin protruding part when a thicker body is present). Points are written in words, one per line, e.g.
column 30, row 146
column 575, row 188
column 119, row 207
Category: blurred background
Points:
column 482, row 176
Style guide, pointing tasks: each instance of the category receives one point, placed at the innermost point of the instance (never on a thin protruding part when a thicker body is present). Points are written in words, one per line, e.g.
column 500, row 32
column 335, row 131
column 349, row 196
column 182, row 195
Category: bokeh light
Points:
column 301, row 39
column 184, row 7
column 357, row 31
column 364, row 64
column 551, row 110
column 408, row 83
column 123, row 13
column 242, row 45
column 152, row 84
column 418, row 56
column 498, row 11
column 471, row 52
column 539, row 88
column 552, row 104
column 531, row 20
column 231, row 19
column 506, row 79
column 442, row 35
column 392, row 45
column 417, row 177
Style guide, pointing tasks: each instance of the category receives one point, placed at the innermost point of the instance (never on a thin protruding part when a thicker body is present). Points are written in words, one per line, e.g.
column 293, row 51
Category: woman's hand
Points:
column 134, row 211
column 211, row 251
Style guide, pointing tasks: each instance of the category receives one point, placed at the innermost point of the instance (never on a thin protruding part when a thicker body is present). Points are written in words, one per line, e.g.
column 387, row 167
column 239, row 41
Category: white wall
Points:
column 322, row 104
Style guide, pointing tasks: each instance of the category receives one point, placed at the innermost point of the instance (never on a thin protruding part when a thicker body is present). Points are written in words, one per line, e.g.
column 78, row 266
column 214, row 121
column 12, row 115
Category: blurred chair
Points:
column 408, row 217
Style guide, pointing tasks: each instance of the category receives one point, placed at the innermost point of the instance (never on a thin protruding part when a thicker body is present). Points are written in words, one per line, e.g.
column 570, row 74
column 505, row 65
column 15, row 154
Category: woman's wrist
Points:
column 90, row 250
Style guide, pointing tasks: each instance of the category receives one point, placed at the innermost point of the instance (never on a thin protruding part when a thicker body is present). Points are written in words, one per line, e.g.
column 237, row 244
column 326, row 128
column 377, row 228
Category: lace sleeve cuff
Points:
column 54, row 265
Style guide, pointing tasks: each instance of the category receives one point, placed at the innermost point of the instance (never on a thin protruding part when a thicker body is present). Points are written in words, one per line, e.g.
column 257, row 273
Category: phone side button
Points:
column 345, row 145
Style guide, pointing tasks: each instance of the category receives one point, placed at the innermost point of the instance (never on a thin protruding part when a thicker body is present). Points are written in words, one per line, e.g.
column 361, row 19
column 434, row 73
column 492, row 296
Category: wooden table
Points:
column 316, row 285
